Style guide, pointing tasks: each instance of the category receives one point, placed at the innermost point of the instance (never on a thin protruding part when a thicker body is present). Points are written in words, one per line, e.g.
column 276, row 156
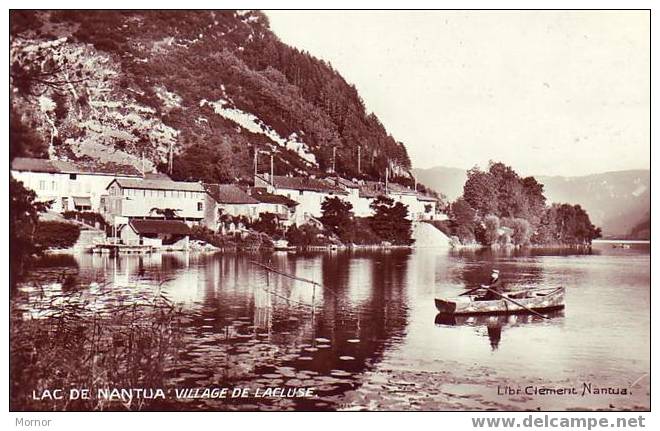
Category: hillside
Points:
column 212, row 87
column 616, row 201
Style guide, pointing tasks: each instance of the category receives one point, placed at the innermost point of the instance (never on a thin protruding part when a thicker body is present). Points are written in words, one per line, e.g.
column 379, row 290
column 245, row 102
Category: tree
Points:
column 480, row 192
column 390, row 221
column 522, row 230
column 210, row 162
column 337, row 217
column 23, row 141
column 24, row 210
column 487, row 232
column 520, row 205
column 266, row 223
column 463, row 217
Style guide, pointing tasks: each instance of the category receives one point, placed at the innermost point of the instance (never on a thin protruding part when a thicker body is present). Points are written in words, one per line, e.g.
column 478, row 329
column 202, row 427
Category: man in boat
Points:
column 495, row 284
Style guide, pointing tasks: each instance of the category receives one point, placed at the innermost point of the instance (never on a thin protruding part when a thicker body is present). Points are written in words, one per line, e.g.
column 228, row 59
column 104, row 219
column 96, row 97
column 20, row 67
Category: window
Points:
column 73, row 176
column 42, row 185
column 200, row 206
column 54, row 185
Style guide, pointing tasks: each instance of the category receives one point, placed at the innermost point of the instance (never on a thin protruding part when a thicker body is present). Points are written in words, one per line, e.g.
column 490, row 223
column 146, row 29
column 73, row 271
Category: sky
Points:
column 547, row 92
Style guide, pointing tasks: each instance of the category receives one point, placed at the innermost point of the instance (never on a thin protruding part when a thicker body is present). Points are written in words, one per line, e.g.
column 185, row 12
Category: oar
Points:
column 516, row 302
column 471, row 290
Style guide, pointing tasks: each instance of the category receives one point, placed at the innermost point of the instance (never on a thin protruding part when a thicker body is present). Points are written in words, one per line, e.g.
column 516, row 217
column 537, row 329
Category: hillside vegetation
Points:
column 616, row 201
column 213, row 87
column 499, row 207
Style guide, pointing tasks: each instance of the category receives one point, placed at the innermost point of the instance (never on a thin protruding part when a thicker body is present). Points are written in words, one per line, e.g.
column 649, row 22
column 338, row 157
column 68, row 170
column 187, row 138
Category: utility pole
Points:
column 334, row 155
column 171, row 157
column 255, row 161
column 143, row 164
column 387, row 174
column 272, row 169
column 359, row 171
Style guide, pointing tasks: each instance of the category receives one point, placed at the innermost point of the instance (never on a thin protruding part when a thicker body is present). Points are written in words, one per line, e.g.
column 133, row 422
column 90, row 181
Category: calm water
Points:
column 373, row 340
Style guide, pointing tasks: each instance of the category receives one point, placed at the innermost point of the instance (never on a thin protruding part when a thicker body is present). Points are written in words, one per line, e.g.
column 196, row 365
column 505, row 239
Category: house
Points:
column 130, row 198
column 308, row 192
column 283, row 207
column 359, row 195
column 169, row 234
column 71, row 186
column 429, row 207
column 228, row 200
column 420, row 206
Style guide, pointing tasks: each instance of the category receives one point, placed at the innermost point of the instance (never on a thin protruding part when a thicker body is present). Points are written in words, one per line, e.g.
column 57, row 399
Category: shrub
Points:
column 266, row 223
column 522, row 230
column 362, row 232
column 202, row 233
column 87, row 217
column 306, row 235
column 56, row 234
column 487, row 232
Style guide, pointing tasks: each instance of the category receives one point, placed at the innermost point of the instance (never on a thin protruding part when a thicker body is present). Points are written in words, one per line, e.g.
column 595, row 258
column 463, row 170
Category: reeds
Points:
column 90, row 338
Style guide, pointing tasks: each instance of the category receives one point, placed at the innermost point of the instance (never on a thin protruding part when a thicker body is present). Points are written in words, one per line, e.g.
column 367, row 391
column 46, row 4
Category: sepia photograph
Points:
column 330, row 211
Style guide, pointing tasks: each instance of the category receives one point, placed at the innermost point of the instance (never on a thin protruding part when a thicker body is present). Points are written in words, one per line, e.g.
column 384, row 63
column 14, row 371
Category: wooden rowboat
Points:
column 539, row 300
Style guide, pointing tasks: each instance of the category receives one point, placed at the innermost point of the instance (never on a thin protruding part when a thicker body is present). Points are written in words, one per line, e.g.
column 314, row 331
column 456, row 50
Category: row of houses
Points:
column 152, row 208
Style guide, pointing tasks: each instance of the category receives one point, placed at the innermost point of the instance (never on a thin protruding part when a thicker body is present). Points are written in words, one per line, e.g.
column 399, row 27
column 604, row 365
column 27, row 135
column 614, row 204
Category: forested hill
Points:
column 213, row 85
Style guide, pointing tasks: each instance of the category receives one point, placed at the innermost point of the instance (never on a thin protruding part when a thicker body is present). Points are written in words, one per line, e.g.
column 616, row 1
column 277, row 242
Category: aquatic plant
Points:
column 91, row 339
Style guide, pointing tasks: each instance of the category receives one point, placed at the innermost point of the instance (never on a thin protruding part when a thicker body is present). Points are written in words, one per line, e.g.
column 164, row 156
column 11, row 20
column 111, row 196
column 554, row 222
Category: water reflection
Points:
column 375, row 311
column 495, row 324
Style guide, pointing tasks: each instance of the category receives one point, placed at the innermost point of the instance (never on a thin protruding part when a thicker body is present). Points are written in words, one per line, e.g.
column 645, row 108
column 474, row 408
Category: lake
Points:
column 372, row 340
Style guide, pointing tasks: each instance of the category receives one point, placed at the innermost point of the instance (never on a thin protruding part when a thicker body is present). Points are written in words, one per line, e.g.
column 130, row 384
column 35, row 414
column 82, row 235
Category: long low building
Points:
column 308, row 192
column 71, row 186
column 172, row 234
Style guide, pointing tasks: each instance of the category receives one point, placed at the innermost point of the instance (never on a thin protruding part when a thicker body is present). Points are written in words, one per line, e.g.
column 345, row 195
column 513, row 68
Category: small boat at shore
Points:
column 538, row 300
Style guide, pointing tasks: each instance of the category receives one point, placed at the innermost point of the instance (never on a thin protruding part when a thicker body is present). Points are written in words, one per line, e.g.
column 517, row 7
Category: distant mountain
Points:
column 618, row 202
column 448, row 181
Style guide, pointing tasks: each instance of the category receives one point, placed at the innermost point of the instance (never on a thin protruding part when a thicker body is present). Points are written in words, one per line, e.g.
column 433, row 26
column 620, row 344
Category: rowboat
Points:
column 539, row 300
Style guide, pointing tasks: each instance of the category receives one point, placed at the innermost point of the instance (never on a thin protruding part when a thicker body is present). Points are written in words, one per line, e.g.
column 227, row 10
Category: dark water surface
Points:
column 373, row 340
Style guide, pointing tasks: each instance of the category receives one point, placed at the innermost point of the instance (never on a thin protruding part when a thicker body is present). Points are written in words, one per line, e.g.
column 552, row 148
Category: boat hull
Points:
column 541, row 300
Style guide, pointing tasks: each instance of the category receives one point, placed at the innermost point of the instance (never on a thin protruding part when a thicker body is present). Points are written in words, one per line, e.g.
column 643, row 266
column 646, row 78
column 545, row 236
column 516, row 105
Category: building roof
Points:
column 372, row 189
column 342, row 182
column 87, row 167
column 33, row 165
column 139, row 183
column 151, row 226
column 399, row 189
column 421, row 197
column 305, row 184
column 156, row 176
column 263, row 196
column 229, row 194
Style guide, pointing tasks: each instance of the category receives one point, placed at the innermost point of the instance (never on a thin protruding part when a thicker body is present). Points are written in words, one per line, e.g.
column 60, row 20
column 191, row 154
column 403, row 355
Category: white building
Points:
column 70, row 185
column 283, row 207
column 308, row 192
column 228, row 200
column 359, row 196
column 153, row 199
